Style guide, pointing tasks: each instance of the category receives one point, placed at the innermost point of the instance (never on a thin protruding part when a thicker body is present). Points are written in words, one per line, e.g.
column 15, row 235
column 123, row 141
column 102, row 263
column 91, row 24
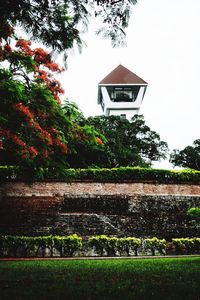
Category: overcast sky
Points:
column 163, row 48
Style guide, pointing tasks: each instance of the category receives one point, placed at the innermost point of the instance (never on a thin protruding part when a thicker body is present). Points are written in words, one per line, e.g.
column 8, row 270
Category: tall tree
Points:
column 35, row 130
column 127, row 143
column 189, row 157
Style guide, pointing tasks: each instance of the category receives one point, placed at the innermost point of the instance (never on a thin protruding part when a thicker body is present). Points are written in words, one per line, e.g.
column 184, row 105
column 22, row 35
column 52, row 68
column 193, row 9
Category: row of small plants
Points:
column 68, row 246
column 25, row 246
column 11, row 173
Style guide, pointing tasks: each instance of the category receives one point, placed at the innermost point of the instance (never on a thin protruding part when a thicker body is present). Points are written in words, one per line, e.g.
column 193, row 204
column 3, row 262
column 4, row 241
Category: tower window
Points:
column 123, row 94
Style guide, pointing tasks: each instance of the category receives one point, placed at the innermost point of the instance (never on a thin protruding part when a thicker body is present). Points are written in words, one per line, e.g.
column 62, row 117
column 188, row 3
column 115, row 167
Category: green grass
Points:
column 168, row 278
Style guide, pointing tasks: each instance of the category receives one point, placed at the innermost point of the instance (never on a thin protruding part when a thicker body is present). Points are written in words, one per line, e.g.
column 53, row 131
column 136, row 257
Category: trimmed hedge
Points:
column 23, row 246
column 187, row 245
column 154, row 244
column 11, row 173
column 66, row 246
column 126, row 245
column 103, row 244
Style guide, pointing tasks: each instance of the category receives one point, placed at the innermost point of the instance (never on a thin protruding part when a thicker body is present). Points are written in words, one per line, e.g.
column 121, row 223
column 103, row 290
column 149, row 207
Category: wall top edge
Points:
column 103, row 182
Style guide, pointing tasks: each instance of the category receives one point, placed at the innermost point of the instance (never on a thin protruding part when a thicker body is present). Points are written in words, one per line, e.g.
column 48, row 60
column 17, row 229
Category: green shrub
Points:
column 111, row 245
column 179, row 245
column 11, row 173
column 128, row 244
column 99, row 243
column 21, row 246
column 42, row 243
column 154, row 244
column 16, row 246
column 196, row 244
column 71, row 244
column 104, row 244
column 194, row 212
column 186, row 245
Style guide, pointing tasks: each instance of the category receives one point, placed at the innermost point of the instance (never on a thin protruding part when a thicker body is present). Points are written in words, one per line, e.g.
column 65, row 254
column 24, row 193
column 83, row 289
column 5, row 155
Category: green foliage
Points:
column 20, row 133
column 189, row 157
column 194, row 212
column 128, row 244
column 66, row 246
column 23, row 246
column 12, row 173
column 128, row 143
column 154, row 244
column 56, row 23
column 15, row 246
column 99, row 243
column 187, row 245
column 41, row 243
column 113, row 245
column 35, row 130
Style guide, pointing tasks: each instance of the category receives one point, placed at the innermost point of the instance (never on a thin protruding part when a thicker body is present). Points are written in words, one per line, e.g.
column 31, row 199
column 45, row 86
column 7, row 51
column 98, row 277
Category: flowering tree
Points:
column 34, row 129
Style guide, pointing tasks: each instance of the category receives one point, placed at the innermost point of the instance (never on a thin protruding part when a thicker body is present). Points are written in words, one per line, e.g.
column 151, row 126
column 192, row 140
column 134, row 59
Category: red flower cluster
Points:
column 54, row 67
column 24, row 45
column 53, row 130
column 17, row 140
column 33, row 152
column 63, row 147
column 24, row 110
column 7, row 48
column 25, row 151
column 29, row 152
column 53, row 85
column 99, row 141
column 44, row 135
column 41, row 56
column 42, row 68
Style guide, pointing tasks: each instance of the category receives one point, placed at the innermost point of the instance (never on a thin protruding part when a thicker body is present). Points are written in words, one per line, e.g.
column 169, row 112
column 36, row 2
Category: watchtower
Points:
column 121, row 93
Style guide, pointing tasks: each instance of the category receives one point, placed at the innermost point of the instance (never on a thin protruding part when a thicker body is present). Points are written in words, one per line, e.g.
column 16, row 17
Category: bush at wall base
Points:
column 67, row 246
column 40, row 246
column 154, row 244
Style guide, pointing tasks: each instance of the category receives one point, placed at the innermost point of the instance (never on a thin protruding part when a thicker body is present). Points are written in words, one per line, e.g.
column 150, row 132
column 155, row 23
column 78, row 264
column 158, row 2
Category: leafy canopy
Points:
column 127, row 144
column 189, row 157
column 59, row 23
column 35, row 130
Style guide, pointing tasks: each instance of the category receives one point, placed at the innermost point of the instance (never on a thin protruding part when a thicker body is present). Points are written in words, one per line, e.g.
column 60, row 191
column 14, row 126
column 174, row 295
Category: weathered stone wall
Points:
column 89, row 208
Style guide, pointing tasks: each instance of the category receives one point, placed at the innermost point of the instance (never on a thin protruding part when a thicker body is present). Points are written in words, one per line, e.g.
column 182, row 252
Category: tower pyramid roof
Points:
column 122, row 75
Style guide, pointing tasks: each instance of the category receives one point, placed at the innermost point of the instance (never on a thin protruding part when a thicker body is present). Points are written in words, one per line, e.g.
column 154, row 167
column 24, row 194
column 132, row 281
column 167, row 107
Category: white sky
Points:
column 163, row 48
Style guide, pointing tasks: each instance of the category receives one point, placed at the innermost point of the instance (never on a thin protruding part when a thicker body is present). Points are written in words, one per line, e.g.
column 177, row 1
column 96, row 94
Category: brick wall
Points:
column 88, row 208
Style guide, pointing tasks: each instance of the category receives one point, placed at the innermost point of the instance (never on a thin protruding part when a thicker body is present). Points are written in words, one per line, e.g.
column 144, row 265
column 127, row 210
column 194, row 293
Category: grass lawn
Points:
column 168, row 278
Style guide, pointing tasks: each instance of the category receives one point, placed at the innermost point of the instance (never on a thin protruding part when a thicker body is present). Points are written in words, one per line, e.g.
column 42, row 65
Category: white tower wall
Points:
column 129, row 109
